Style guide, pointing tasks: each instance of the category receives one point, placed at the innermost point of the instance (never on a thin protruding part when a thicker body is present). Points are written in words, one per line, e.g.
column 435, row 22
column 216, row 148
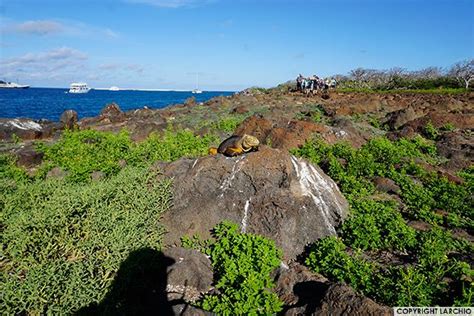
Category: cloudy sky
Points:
column 232, row 44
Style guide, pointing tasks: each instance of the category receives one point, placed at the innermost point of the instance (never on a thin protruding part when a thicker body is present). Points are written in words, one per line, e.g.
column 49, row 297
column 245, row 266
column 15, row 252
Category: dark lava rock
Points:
column 189, row 276
column 268, row 192
column 28, row 157
column 69, row 119
column 386, row 185
column 458, row 147
column 298, row 288
column 111, row 112
column 190, row 101
column 419, row 225
column 111, row 109
column 24, row 129
column 56, row 172
column 307, row 293
column 340, row 299
column 240, row 110
column 399, row 118
column 295, row 134
column 256, row 126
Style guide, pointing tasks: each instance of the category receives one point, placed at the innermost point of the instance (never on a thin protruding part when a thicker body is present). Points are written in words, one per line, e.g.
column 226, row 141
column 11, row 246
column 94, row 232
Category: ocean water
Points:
column 49, row 103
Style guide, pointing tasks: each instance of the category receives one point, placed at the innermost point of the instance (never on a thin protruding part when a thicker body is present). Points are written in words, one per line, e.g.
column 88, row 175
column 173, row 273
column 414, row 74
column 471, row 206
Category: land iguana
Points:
column 236, row 145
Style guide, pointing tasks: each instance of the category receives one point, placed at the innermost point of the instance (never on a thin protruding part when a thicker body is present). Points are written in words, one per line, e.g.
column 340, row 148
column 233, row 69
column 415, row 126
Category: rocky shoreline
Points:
column 271, row 192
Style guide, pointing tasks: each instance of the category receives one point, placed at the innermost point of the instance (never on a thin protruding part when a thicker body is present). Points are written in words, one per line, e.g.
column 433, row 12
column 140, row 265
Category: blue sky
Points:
column 232, row 44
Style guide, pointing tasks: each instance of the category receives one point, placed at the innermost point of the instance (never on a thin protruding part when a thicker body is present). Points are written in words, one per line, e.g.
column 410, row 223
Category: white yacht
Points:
column 11, row 85
column 114, row 88
column 197, row 91
column 79, row 87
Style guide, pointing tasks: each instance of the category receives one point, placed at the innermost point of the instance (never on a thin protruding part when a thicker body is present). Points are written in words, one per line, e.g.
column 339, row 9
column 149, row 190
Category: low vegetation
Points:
column 434, row 268
column 79, row 153
column 429, row 80
column 63, row 242
column 242, row 265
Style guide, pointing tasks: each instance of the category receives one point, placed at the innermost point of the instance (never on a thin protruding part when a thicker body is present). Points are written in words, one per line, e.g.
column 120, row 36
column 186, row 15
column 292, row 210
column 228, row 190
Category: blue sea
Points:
column 49, row 103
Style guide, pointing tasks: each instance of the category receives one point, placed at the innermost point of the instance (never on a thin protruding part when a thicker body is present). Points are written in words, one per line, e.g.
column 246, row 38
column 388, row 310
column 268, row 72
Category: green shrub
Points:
column 448, row 127
column 227, row 124
column 242, row 266
column 430, row 131
column 9, row 170
column 63, row 242
column 328, row 256
column 169, row 147
column 405, row 286
column 377, row 225
column 82, row 152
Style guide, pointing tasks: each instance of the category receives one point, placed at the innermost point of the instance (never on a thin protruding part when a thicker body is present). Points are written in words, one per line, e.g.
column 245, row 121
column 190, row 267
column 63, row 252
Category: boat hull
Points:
column 19, row 87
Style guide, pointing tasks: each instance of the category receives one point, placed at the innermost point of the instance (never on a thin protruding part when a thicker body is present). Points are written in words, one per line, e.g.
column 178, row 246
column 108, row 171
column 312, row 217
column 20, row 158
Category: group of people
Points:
column 314, row 84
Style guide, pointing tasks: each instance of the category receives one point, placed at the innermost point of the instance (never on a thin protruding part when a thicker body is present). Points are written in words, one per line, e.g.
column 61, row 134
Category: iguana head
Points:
column 249, row 142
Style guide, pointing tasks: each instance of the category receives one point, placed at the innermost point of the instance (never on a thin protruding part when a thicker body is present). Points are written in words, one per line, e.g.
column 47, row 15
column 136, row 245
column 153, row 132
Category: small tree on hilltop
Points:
column 463, row 71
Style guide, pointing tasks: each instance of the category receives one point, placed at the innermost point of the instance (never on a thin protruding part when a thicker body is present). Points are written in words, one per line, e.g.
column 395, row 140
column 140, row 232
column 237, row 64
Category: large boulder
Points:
column 399, row 118
column 340, row 299
column 306, row 293
column 268, row 192
column 112, row 113
column 190, row 276
column 255, row 125
column 69, row 119
column 299, row 289
column 24, row 129
column 27, row 156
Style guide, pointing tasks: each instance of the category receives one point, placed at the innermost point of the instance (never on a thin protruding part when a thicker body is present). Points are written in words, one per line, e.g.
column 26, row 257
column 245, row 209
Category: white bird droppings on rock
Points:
column 321, row 191
column 245, row 218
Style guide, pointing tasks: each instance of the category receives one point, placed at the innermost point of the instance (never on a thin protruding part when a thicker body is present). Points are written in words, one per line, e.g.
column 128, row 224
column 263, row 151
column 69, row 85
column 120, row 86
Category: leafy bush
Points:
column 242, row 266
column 227, row 124
column 379, row 225
column 82, row 152
column 169, row 147
column 329, row 257
column 62, row 242
column 430, row 131
column 9, row 169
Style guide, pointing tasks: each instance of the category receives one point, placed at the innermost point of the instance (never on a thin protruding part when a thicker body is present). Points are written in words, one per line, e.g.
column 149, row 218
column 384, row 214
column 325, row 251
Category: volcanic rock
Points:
column 256, row 126
column 399, row 118
column 189, row 276
column 69, row 119
column 298, row 288
column 24, row 129
column 27, row 156
column 340, row 299
column 268, row 192
column 386, row 185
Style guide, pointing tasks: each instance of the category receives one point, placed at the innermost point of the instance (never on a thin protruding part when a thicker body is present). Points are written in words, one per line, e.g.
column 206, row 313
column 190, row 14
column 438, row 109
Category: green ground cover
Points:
column 437, row 268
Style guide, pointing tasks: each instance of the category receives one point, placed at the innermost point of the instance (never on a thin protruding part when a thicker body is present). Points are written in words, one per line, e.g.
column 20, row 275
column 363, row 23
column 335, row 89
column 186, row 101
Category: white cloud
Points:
column 56, row 63
column 39, row 27
column 56, row 27
column 129, row 68
column 111, row 34
column 172, row 3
